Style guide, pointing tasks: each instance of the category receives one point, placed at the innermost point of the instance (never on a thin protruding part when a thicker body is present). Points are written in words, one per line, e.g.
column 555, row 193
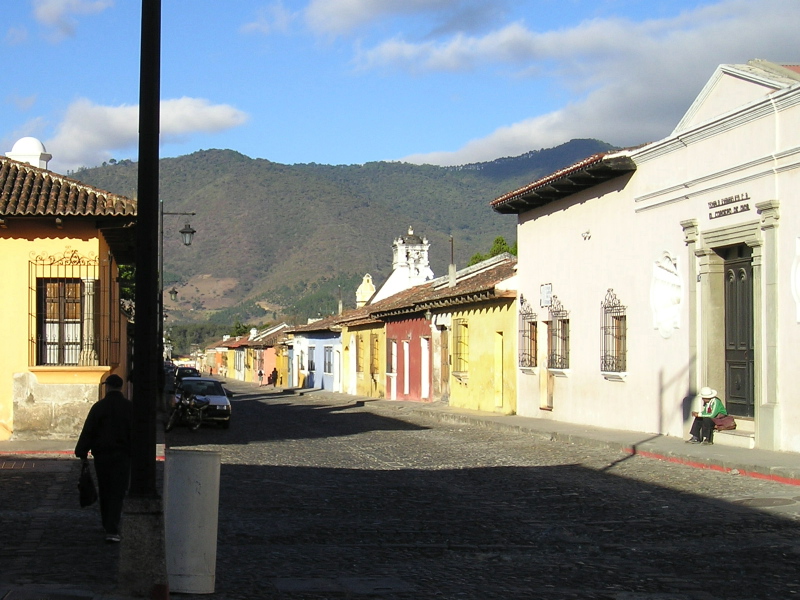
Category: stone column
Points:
column 766, row 330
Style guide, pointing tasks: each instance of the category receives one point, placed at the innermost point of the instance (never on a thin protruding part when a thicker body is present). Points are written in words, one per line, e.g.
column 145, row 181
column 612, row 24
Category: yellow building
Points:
column 364, row 349
column 484, row 357
column 60, row 312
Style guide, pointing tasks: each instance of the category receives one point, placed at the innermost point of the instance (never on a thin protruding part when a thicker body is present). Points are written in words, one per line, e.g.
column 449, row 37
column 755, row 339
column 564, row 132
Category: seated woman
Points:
column 702, row 430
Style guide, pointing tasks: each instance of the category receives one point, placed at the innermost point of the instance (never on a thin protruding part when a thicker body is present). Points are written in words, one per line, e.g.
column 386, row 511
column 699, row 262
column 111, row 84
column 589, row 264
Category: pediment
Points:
column 731, row 88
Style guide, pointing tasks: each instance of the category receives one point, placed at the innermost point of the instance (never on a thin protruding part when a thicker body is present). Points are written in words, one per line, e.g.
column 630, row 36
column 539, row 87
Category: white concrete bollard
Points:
column 191, row 507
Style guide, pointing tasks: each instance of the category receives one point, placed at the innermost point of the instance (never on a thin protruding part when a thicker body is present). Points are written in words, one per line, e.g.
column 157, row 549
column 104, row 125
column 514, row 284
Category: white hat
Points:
column 707, row 392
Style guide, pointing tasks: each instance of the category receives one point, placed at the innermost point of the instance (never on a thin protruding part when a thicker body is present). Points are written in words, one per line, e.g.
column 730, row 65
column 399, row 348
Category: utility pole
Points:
column 142, row 566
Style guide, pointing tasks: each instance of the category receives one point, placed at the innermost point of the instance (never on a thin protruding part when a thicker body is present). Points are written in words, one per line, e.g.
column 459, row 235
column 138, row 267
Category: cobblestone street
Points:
column 323, row 496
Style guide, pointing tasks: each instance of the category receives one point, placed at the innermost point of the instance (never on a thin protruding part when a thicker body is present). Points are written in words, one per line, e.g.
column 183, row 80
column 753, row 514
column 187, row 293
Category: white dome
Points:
column 28, row 145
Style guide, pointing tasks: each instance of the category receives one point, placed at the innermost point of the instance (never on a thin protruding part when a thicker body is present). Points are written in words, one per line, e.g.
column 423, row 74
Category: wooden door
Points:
column 739, row 346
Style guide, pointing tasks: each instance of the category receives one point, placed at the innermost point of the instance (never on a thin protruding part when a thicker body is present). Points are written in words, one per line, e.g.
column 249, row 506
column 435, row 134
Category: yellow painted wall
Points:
column 364, row 383
column 19, row 243
column 491, row 381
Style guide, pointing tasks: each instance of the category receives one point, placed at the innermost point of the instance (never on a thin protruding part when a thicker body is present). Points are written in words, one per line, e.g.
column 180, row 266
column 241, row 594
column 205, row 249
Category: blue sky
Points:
column 352, row 81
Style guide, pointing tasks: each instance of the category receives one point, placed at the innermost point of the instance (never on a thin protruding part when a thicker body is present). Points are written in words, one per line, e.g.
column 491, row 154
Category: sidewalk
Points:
column 47, row 538
column 780, row 467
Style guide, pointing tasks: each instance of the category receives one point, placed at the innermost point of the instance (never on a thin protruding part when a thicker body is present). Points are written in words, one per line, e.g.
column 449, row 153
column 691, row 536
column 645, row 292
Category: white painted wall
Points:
column 632, row 222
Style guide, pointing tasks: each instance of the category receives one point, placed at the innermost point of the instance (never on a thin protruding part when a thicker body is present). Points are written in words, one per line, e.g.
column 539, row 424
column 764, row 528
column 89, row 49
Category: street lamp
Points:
column 187, row 233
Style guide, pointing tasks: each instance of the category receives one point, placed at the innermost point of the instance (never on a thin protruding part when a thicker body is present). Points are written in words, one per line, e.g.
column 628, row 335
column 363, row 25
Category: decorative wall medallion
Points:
column 666, row 295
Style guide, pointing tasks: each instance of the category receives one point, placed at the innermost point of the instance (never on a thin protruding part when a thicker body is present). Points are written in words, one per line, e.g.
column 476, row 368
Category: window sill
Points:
column 614, row 376
column 462, row 376
column 529, row 370
column 559, row 372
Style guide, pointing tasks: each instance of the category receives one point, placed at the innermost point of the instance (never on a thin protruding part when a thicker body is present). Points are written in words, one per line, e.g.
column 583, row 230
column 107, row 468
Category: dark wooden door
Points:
column 739, row 355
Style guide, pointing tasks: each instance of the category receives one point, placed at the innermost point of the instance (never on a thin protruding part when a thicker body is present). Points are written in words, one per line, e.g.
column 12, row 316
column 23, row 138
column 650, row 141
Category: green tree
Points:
column 127, row 282
column 239, row 328
column 498, row 247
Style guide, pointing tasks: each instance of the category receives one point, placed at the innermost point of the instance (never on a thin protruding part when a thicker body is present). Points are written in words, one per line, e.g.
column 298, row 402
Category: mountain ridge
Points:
column 272, row 234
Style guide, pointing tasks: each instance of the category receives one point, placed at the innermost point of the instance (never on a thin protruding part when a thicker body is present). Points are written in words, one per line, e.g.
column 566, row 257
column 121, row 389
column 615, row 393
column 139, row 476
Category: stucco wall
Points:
column 491, row 380
column 614, row 235
column 25, row 406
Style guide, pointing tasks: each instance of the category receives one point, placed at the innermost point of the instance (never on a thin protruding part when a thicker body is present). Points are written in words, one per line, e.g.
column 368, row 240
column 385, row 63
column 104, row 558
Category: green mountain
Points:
column 273, row 234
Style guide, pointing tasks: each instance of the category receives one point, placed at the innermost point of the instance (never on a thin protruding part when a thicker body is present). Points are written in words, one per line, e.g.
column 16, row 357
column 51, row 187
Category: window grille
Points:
column 614, row 335
column 558, row 336
column 359, row 353
column 327, row 365
column 312, row 359
column 74, row 312
column 374, row 356
column 528, row 342
column 460, row 345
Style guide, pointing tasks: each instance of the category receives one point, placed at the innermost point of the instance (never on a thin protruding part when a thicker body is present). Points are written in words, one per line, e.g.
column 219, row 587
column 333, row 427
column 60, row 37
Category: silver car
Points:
column 206, row 388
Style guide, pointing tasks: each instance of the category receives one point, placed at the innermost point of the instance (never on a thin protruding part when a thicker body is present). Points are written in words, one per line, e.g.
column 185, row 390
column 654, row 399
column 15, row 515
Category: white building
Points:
column 648, row 273
column 410, row 265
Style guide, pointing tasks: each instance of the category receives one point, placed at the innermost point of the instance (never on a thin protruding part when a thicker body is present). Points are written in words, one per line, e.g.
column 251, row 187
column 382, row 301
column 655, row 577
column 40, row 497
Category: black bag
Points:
column 86, row 487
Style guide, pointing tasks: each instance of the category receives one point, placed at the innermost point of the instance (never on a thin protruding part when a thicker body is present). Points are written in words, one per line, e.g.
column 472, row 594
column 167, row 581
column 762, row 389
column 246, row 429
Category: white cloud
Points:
column 23, row 103
column 630, row 81
column 340, row 17
column 16, row 36
column 272, row 19
column 59, row 14
column 90, row 132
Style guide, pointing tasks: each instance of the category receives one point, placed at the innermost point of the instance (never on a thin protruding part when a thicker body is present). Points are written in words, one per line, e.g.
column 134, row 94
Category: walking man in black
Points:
column 107, row 435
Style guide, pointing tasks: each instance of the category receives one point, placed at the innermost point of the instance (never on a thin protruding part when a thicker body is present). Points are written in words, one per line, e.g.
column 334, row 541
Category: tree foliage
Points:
column 498, row 247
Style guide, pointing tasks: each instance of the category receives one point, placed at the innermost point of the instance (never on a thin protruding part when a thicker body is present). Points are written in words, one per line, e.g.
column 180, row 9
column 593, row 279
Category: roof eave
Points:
column 580, row 176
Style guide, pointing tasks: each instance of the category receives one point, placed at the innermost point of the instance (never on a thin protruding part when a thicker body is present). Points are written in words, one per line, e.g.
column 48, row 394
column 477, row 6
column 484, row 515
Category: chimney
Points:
column 30, row 150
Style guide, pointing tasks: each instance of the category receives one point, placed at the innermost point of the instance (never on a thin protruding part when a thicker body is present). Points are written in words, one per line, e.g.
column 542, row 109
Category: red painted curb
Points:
column 720, row 468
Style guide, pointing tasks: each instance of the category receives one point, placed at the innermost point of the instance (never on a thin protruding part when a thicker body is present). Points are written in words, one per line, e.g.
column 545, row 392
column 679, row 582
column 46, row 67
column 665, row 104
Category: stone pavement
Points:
column 46, row 539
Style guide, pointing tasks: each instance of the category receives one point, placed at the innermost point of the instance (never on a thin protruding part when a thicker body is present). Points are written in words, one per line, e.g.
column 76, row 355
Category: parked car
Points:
column 206, row 388
column 182, row 372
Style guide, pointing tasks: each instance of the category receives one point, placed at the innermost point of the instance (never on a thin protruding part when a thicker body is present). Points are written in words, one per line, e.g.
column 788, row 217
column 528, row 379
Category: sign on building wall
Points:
column 666, row 295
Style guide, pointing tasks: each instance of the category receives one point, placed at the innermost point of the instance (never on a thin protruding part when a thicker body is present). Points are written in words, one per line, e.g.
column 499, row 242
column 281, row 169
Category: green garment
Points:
column 713, row 408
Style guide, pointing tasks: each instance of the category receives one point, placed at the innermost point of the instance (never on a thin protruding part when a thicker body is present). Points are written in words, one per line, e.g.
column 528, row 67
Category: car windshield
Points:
column 203, row 388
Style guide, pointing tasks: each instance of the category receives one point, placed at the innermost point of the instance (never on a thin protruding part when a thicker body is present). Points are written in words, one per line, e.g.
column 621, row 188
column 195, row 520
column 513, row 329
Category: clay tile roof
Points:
column 473, row 284
column 27, row 191
column 581, row 175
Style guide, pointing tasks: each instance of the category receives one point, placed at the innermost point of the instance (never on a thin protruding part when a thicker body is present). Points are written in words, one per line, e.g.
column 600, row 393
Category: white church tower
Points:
column 410, row 265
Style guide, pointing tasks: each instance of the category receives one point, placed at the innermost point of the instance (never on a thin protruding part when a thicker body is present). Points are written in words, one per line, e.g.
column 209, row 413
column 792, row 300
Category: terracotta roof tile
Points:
column 27, row 191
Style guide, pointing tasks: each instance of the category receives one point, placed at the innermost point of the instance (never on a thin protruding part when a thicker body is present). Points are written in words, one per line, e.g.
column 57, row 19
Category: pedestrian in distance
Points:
column 702, row 430
column 260, row 377
column 107, row 435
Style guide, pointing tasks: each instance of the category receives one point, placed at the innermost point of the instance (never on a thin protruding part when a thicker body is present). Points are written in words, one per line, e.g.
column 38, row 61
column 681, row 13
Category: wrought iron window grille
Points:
column 528, row 341
column 74, row 310
column 614, row 335
column 558, row 339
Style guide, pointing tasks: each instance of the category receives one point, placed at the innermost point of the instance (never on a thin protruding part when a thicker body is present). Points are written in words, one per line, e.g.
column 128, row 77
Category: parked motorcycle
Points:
column 188, row 410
